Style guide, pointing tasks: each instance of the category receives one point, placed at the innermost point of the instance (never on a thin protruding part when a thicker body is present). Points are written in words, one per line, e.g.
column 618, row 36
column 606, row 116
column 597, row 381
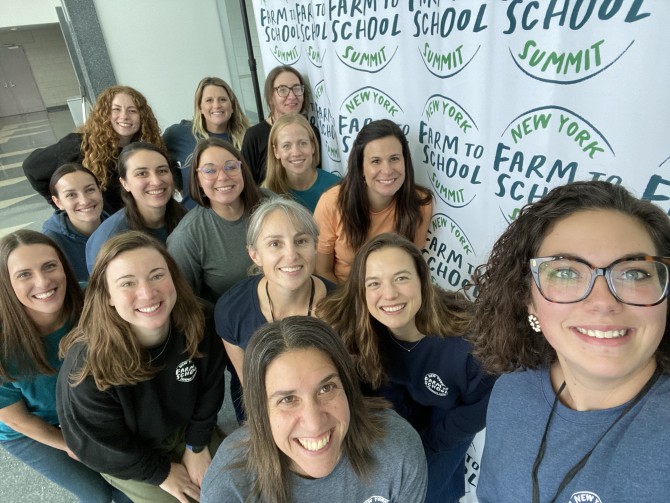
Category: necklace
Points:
column 403, row 346
column 311, row 299
column 165, row 343
column 580, row 464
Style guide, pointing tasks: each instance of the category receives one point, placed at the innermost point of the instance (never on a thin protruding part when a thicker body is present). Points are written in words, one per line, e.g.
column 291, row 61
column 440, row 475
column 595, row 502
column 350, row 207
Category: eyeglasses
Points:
column 283, row 91
column 211, row 171
column 636, row 281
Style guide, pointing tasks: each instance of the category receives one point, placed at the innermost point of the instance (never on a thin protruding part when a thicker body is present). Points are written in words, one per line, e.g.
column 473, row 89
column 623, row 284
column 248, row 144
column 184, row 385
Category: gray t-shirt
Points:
column 399, row 475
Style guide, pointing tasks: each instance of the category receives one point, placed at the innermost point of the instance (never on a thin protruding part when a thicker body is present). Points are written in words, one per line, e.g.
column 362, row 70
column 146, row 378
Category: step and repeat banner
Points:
column 501, row 100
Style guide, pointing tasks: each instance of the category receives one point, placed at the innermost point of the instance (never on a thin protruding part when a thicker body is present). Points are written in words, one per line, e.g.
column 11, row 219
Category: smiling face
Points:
column 383, row 170
column 216, row 108
column 142, row 292
column 286, row 254
column 308, row 410
column 295, row 151
column 149, row 179
column 125, row 118
column 38, row 280
column 393, row 290
column 600, row 339
column 80, row 197
column 287, row 104
column 225, row 190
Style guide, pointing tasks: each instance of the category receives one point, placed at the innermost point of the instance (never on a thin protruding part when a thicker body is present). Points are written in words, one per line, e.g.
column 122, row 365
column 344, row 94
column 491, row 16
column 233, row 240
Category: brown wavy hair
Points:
column 22, row 351
column 275, row 178
column 269, row 465
column 442, row 313
column 502, row 337
column 100, row 143
column 174, row 211
column 114, row 356
column 238, row 122
column 251, row 195
column 353, row 202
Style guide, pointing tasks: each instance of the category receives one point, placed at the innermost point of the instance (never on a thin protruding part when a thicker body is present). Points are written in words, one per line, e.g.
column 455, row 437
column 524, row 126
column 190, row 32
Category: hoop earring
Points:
column 534, row 323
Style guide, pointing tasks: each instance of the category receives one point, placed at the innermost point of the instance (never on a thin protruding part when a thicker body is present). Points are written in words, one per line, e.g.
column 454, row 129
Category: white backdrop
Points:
column 500, row 100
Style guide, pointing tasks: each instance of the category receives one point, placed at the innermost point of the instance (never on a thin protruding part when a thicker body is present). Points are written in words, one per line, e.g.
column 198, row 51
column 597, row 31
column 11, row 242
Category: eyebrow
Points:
column 149, row 167
column 28, row 269
column 133, row 275
column 288, row 392
column 404, row 271
column 279, row 236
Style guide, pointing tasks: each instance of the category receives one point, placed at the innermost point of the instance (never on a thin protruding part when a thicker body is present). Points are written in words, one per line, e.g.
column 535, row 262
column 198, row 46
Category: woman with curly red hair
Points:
column 121, row 115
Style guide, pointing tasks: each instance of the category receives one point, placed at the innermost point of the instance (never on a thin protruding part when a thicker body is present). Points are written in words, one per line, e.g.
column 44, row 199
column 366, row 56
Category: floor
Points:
column 21, row 207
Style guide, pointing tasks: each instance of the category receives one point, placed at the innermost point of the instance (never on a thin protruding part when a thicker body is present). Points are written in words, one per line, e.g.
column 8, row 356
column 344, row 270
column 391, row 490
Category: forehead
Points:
column 389, row 260
column 598, row 236
column 123, row 99
column 292, row 131
column 216, row 155
column 279, row 222
column 383, row 146
column 30, row 256
column 146, row 159
column 75, row 178
column 214, row 90
column 286, row 79
column 298, row 370
column 138, row 262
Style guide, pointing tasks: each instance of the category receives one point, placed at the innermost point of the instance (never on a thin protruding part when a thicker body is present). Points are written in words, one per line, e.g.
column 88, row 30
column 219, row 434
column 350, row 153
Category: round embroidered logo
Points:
column 585, row 496
column 377, row 499
column 435, row 384
column 186, row 371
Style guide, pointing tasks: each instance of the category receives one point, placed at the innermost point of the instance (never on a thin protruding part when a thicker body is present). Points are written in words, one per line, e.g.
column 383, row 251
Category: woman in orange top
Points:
column 377, row 195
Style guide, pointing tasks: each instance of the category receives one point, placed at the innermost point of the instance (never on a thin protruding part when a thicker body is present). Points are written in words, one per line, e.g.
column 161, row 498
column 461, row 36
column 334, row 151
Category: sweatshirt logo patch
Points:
column 435, row 384
column 585, row 496
column 377, row 499
column 186, row 371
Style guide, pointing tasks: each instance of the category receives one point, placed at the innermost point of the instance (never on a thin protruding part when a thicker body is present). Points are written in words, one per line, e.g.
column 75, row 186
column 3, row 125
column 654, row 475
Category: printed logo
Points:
column 186, row 371
column 585, row 497
column 446, row 43
column 658, row 188
column 449, row 253
column 434, row 383
column 325, row 122
column 281, row 33
column 590, row 52
column 377, row 499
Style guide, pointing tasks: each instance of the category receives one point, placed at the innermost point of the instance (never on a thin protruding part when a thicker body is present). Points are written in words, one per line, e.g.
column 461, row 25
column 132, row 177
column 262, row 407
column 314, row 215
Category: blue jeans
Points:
column 57, row 466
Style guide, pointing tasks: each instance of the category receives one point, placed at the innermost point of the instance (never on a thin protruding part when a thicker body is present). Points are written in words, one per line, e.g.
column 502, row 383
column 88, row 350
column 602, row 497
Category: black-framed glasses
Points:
column 283, row 91
column 210, row 171
column 637, row 281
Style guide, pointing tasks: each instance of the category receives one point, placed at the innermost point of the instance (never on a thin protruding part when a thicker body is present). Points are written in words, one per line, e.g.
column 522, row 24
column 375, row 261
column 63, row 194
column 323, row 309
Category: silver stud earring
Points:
column 534, row 323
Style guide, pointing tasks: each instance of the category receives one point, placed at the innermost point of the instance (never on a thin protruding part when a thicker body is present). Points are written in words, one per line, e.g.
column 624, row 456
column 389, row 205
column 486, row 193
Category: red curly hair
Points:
column 100, row 143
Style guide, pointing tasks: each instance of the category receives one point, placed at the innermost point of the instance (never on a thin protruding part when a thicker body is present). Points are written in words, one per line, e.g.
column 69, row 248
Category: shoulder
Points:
column 239, row 296
column 177, row 131
column 326, row 177
column 113, row 225
column 401, row 441
column 223, row 481
column 55, row 224
column 258, row 130
column 329, row 197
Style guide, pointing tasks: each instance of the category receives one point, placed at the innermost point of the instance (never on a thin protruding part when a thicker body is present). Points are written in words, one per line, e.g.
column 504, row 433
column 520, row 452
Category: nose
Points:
column 144, row 290
column 389, row 291
column 601, row 297
column 312, row 416
column 41, row 279
column 154, row 178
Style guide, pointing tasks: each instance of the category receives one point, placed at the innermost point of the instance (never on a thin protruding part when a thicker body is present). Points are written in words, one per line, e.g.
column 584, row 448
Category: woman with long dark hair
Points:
column 378, row 194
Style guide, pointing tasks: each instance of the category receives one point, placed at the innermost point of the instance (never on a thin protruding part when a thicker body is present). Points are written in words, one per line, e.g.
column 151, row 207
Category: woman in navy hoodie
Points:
column 406, row 337
column 76, row 192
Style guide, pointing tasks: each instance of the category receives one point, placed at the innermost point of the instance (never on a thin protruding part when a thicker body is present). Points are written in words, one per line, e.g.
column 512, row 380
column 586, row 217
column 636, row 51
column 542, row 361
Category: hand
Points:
column 196, row 464
column 178, row 483
column 71, row 454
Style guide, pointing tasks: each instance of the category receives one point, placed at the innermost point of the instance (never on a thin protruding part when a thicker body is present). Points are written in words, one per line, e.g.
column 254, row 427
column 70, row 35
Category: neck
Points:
column 408, row 333
column 303, row 181
column 217, row 128
column 283, row 303
column 377, row 202
column 231, row 212
column 124, row 141
column 86, row 228
column 47, row 323
column 154, row 218
column 151, row 338
column 584, row 393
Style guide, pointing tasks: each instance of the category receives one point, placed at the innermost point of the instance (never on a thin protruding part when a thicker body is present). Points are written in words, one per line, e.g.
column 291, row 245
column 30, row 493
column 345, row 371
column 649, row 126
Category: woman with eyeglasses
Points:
column 209, row 244
column 573, row 308
column 216, row 113
column 147, row 191
column 285, row 92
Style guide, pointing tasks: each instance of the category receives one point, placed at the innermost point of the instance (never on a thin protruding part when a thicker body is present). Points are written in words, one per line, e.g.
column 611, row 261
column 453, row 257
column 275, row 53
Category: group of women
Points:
column 352, row 373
